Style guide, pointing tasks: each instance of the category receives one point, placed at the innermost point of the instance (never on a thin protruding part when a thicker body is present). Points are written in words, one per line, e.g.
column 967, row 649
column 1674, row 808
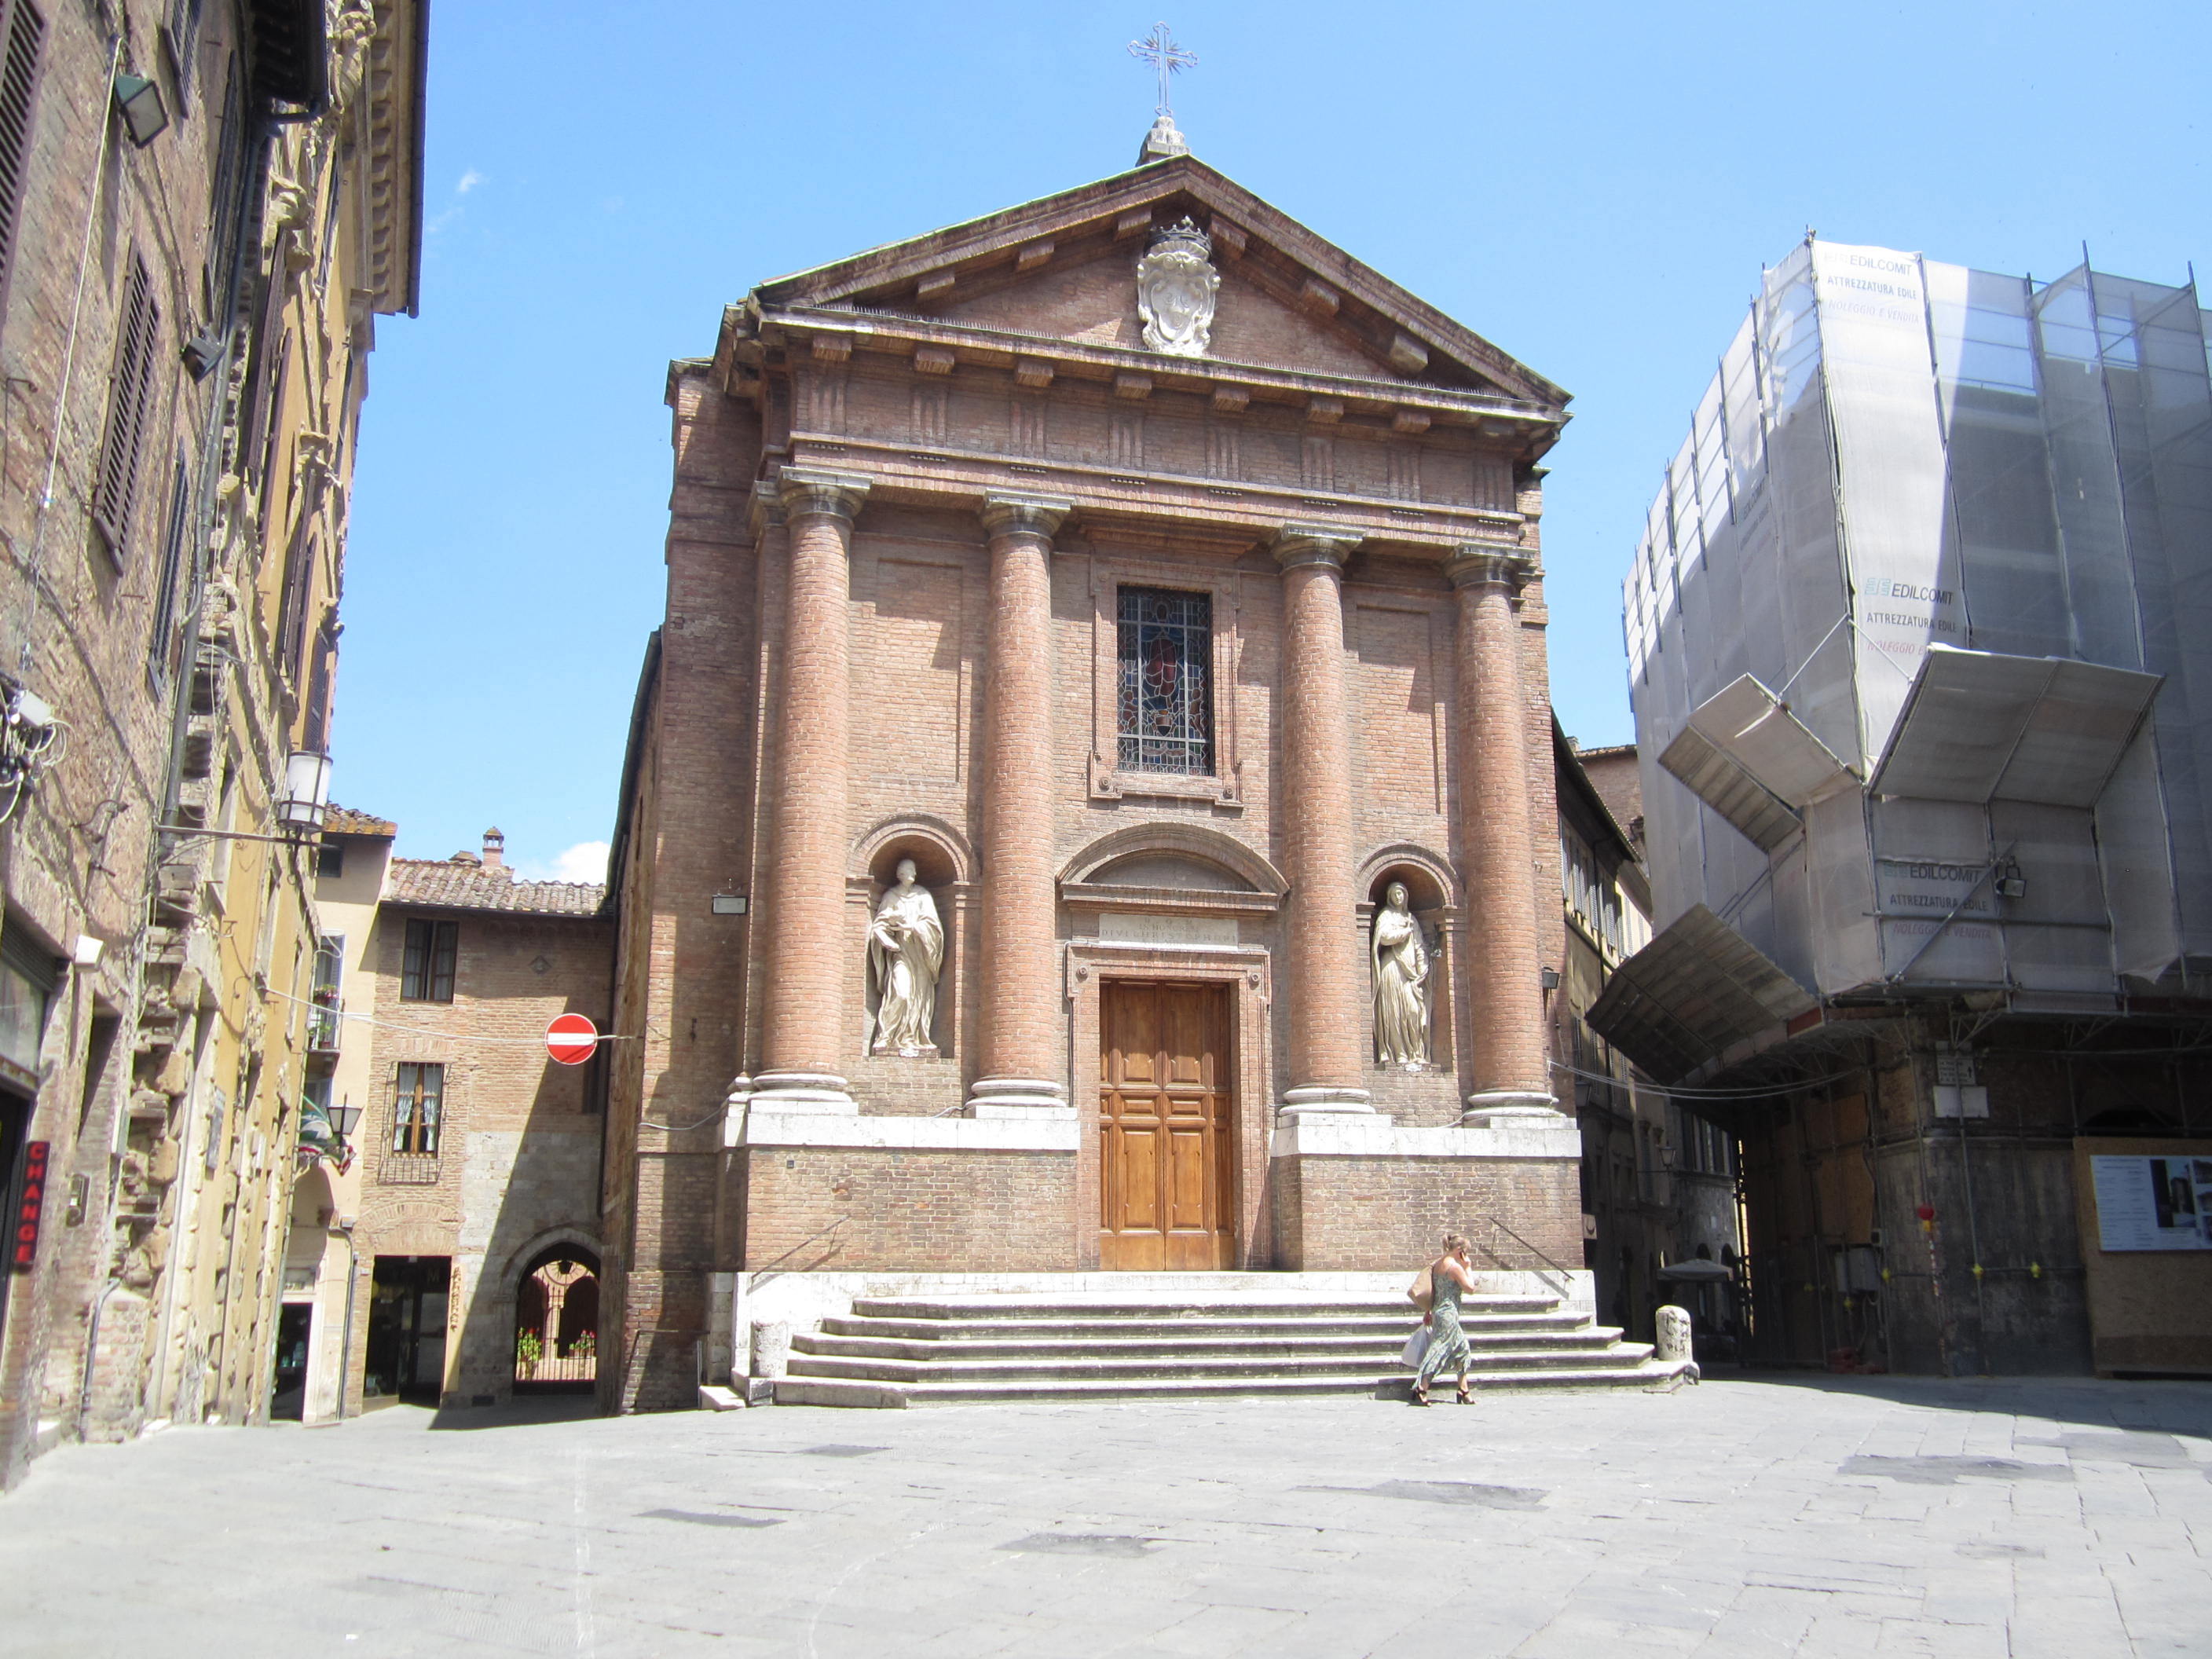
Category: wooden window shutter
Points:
column 19, row 84
column 130, row 409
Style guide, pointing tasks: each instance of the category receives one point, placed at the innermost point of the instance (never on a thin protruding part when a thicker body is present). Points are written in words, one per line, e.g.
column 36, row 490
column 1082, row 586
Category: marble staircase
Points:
column 934, row 1350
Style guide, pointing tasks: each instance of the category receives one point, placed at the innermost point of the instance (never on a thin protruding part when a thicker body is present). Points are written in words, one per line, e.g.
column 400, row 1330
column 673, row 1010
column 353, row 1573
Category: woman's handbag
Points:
column 1422, row 1293
column 1417, row 1347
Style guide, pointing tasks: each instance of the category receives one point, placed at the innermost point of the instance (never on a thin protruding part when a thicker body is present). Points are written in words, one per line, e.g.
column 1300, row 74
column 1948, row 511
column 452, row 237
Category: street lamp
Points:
column 139, row 100
column 307, row 800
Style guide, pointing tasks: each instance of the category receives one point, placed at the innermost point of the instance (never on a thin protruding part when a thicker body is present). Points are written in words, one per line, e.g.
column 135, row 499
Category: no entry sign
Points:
column 571, row 1039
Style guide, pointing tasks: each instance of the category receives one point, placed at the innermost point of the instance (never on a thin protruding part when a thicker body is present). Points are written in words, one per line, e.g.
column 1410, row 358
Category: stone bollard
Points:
column 771, row 1350
column 1674, row 1346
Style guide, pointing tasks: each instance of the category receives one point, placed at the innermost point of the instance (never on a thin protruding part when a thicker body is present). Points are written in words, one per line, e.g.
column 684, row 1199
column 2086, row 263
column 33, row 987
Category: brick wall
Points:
column 820, row 1209
column 1366, row 1214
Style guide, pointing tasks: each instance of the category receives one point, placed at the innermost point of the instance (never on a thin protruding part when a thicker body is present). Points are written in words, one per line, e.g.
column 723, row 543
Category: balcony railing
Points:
column 323, row 1023
column 408, row 1170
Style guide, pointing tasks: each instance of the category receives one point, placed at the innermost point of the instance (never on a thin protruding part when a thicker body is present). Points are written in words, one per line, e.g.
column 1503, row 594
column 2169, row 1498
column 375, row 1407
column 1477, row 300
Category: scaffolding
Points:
column 1919, row 633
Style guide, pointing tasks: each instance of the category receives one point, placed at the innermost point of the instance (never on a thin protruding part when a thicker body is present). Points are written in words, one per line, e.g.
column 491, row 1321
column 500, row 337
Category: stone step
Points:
column 1074, row 1368
column 955, row 1344
column 1106, row 1306
column 1376, row 1326
column 850, row 1392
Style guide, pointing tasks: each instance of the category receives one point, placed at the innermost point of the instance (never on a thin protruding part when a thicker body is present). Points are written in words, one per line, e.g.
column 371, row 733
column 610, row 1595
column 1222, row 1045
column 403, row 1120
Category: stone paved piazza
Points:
column 1806, row 1517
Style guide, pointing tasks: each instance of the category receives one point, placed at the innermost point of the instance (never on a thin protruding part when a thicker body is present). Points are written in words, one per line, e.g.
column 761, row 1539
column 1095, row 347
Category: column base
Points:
column 1030, row 1097
column 789, row 1092
column 1321, row 1100
column 1498, row 1107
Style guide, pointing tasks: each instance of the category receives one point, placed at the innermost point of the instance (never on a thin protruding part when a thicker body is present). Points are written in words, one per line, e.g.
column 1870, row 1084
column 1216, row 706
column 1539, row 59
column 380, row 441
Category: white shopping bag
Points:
column 1417, row 1347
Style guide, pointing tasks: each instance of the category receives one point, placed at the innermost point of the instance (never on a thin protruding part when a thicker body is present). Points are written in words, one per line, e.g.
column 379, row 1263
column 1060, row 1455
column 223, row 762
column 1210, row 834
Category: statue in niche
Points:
column 1402, row 960
column 905, row 949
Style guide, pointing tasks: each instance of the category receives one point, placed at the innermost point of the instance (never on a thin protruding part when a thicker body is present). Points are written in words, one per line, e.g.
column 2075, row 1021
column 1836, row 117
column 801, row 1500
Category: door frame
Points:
column 1245, row 969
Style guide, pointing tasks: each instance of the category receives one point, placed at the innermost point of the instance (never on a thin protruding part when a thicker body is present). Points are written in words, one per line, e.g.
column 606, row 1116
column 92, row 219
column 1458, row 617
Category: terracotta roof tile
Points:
column 345, row 820
column 451, row 885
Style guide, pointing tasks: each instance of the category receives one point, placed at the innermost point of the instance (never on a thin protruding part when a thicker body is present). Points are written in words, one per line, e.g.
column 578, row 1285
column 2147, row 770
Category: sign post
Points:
column 571, row 1039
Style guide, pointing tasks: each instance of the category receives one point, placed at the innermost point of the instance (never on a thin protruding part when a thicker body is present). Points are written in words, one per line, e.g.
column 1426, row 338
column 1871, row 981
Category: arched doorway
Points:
column 557, row 1322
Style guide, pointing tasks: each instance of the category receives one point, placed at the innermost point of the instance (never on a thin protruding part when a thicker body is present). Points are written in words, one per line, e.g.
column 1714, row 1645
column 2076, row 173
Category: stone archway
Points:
column 556, row 1320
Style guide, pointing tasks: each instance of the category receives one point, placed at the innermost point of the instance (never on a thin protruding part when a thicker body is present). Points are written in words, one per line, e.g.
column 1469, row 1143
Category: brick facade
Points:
column 516, row 1172
column 909, row 489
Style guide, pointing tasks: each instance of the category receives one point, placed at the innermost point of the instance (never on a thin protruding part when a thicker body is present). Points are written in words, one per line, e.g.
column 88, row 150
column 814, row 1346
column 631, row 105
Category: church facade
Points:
column 1091, row 790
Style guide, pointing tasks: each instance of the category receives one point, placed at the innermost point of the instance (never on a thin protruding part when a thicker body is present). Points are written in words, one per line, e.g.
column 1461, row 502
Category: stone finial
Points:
column 1164, row 143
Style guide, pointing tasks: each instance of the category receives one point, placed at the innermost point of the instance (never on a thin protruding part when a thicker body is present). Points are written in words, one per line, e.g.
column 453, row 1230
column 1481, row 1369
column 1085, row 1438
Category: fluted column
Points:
column 1020, row 1065
column 804, row 1023
column 1505, row 958
column 1328, row 1023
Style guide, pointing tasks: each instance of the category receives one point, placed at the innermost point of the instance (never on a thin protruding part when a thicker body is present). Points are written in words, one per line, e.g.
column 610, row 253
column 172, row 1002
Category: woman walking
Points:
column 1448, row 1278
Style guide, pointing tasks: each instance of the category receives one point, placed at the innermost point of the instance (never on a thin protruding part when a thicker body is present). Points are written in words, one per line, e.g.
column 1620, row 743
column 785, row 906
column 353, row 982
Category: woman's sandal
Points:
column 1465, row 1398
column 1420, row 1393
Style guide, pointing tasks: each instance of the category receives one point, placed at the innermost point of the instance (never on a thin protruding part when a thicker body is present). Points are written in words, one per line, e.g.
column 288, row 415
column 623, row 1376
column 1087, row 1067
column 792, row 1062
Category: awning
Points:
column 1697, row 990
column 1746, row 756
column 1980, row 727
column 1697, row 1272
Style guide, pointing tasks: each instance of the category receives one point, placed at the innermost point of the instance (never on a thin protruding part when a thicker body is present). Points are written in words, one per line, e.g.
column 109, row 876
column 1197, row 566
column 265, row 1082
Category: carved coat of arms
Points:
column 1176, row 287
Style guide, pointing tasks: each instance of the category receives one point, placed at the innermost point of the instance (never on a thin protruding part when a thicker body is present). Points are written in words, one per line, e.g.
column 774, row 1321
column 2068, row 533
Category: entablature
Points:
column 936, row 347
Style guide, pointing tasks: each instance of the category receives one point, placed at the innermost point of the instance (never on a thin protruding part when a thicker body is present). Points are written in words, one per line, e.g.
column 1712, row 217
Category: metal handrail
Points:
column 1563, row 1288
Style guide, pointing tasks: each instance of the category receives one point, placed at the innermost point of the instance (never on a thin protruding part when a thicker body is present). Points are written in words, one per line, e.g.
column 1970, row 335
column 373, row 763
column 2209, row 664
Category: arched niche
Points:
column 1430, row 884
column 941, row 855
column 944, row 865
column 1432, row 894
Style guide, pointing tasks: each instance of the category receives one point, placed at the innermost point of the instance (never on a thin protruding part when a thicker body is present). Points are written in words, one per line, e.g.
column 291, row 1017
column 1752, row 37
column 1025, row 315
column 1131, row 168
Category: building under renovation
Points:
column 1920, row 643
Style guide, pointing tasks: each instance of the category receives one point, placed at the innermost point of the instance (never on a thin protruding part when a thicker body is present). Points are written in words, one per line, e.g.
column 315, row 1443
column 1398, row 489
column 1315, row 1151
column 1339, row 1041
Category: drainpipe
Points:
column 345, row 1336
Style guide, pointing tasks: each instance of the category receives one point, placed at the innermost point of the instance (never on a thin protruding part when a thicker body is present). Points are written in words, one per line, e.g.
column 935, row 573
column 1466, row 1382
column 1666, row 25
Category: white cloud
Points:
column 470, row 180
column 585, row 861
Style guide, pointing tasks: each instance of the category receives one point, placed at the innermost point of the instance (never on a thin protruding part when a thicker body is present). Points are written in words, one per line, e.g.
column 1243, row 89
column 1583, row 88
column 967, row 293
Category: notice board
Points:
column 2144, row 1208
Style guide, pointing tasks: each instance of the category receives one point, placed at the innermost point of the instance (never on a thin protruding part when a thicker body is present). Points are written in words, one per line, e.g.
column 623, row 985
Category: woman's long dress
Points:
column 1448, row 1350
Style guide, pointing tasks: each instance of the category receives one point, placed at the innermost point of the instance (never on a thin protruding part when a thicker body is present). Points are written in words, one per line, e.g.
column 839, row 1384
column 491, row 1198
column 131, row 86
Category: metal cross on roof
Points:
column 1159, row 49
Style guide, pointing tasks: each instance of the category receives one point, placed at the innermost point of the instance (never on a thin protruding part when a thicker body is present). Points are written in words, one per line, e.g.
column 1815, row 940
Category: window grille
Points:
column 427, row 973
column 418, row 1103
column 1166, row 680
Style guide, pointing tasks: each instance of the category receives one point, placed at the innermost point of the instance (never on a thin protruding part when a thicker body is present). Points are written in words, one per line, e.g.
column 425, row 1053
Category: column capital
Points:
column 1024, row 515
column 1475, row 565
column 833, row 495
column 1297, row 544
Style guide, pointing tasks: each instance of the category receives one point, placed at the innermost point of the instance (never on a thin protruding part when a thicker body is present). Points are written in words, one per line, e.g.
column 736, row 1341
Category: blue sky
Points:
column 1593, row 187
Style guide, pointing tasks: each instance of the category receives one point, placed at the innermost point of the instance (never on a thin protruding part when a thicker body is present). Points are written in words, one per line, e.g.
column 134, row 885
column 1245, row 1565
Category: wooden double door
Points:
column 1166, row 1128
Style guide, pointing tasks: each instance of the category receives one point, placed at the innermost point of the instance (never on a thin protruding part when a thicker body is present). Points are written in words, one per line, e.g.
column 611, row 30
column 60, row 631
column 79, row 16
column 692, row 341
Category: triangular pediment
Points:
column 1064, row 269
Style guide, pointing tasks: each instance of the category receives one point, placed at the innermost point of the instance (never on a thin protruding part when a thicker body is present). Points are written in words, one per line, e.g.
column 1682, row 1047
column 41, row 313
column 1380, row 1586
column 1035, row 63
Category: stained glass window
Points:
column 1165, row 683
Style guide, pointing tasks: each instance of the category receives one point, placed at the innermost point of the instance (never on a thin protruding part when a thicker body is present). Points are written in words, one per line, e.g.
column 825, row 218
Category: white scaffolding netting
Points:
column 1896, row 454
